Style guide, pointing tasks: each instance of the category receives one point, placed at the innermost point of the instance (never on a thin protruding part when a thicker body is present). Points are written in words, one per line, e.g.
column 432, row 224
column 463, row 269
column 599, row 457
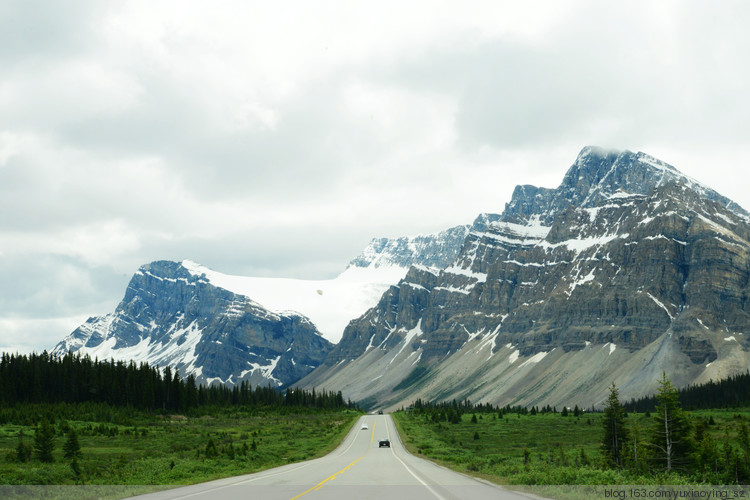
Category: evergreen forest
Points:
column 72, row 378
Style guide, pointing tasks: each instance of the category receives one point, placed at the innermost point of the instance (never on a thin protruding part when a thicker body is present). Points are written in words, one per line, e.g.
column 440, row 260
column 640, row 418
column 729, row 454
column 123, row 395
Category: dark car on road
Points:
column 384, row 442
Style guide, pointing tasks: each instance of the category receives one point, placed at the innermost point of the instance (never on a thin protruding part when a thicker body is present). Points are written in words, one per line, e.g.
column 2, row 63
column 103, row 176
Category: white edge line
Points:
column 409, row 470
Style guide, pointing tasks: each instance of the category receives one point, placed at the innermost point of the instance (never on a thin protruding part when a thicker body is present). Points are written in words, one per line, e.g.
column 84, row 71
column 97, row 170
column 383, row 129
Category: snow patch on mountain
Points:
column 329, row 304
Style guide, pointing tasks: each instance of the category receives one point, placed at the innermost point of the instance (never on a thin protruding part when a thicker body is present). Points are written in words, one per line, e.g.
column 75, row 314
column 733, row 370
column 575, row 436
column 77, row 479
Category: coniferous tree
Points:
column 211, row 451
column 44, row 442
column 615, row 433
column 670, row 434
column 23, row 451
column 71, row 447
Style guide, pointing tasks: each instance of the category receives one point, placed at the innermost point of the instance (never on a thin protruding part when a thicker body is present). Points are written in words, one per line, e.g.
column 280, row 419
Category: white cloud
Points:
column 35, row 335
column 277, row 139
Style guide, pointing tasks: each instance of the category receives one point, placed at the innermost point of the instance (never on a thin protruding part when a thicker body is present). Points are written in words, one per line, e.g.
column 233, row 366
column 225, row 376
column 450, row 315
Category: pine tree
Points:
column 23, row 451
column 44, row 442
column 72, row 448
column 615, row 433
column 211, row 451
column 670, row 435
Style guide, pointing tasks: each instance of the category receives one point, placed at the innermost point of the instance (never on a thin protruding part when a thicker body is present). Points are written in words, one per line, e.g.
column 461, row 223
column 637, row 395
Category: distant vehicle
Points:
column 364, row 427
column 384, row 442
column 380, row 412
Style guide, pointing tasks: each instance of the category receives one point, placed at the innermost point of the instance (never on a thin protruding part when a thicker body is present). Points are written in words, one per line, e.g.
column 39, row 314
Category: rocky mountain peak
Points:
column 172, row 315
column 627, row 269
column 598, row 175
column 433, row 250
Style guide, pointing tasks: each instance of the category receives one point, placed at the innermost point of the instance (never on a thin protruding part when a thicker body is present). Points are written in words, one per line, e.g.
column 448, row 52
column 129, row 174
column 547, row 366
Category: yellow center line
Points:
column 320, row 484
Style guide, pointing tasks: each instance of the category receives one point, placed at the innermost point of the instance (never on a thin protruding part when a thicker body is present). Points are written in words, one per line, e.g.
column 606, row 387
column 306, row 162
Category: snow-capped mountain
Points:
column 171, row 316
column 226, row 329
column 627, row 269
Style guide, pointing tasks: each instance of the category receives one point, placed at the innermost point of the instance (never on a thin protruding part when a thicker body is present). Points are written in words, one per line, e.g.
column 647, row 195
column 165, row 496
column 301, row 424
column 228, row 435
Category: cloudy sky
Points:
column 278, row 138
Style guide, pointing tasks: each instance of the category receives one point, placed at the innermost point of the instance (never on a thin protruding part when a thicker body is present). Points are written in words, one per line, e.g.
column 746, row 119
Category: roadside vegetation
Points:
column 54, row 433
column 664, row 444
column 100, row 444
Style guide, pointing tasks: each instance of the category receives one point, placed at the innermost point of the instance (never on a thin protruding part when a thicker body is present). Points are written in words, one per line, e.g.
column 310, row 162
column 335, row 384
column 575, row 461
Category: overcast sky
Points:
column 278, row 138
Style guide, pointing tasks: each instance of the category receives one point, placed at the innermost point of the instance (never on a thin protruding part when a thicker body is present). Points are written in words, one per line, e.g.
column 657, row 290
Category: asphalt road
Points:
column 357, row 469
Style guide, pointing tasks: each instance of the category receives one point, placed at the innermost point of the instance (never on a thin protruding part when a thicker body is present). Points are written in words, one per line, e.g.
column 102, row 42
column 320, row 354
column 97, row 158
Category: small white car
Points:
column 364, row 427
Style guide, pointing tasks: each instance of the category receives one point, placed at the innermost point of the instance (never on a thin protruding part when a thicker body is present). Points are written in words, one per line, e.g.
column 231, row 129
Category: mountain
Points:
column 627, row 269
column 227, row 329
column 173, row 316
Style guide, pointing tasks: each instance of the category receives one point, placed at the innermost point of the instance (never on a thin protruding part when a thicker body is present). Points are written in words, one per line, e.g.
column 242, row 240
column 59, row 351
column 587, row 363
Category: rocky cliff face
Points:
column 432, row 250
column 171, row 316
column 627, row 269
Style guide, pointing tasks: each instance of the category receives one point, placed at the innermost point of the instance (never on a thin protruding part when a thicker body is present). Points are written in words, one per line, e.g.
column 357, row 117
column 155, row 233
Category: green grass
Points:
column 173, row 449
column 542, row 449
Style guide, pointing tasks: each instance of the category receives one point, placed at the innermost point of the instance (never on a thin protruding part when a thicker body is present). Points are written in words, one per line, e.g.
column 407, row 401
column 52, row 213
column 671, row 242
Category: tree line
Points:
column 731, row 392
column 72, row 378
column 451, row 411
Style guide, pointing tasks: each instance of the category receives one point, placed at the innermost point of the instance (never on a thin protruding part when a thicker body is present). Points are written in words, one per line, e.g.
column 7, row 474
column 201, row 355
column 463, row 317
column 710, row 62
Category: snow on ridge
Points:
column 329, row 304
column 661, row 304
column 153, row 353
column 384, row 273
column 536, row 358
column 460, row 271
column 658, row 164
column 620, row 194
column 580, row 244
column 410, row 335
column 432, row 270
column 534, row 230
column 514, row 356
column 516, row 234
column 580, row 281
column 723, row 230
column 668, row 169
column 266, row 370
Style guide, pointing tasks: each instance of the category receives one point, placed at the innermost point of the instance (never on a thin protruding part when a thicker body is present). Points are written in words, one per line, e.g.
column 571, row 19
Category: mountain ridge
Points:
column 628, row 268
column 627, row 257
column 227, row 329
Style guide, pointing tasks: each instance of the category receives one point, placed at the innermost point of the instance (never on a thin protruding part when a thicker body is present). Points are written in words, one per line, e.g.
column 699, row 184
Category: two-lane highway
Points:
column 358, row 468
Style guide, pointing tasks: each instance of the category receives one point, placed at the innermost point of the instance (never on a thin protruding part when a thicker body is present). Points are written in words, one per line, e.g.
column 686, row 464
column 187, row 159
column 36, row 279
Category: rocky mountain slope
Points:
column 173, row 317
column 627, row 269
column 226, row 329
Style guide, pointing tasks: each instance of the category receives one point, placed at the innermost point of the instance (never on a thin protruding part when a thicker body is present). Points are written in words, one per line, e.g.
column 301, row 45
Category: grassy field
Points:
column 132, row 448
column 542, row 449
